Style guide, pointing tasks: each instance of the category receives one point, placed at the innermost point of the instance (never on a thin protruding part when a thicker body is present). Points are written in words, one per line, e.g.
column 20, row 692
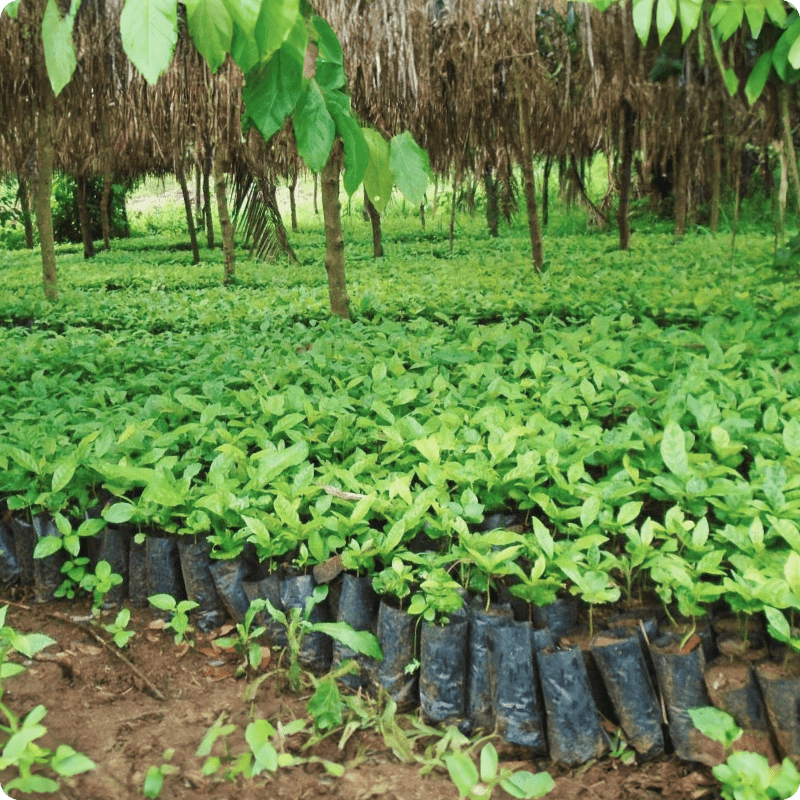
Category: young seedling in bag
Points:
column 297, row 623
column 179, row 619
column 479, row 786
column 745, row 775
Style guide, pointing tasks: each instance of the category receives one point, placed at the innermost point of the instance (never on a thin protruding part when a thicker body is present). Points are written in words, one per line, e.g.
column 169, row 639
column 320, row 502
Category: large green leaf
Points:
column 272, row 463
column 780, row 54
column 11, row 9
column 378, row 176
column 245, row 14
column 362, row 642
column 356, row 152
column 149, row 31
column 211, row 29
column 727, row 18
column 330, row 62
column 59, row 49
column 666, row 12
column 314, row 128
column 673, row 450
column 272, row 90
column 689, row 15
column 758, row 80
column 642, row 18
column 409, row 162
column 755, row 18
column 277, row 20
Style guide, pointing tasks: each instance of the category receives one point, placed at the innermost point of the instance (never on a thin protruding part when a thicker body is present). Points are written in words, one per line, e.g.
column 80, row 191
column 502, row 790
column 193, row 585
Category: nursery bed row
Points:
column 533, row 673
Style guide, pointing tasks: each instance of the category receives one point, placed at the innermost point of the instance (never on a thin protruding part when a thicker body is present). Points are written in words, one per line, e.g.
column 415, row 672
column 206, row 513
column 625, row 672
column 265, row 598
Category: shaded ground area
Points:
column 99, row 705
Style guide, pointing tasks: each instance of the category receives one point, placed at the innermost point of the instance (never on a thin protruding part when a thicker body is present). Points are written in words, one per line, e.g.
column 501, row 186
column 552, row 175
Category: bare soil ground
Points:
column 99, row 705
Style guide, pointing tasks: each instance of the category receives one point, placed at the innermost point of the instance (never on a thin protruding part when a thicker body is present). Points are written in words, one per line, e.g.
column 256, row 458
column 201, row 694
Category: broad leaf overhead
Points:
column 149, row 32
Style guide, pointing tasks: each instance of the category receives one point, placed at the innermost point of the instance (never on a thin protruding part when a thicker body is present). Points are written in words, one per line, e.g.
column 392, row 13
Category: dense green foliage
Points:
column 641, row 408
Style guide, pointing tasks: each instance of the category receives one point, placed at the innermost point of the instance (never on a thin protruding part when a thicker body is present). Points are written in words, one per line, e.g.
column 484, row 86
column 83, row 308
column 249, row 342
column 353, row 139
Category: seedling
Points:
column 154, row 780
column 245, row 642
column 478, row 786
column 178, row 620
column 297, row 623
column 19, row 748
column 119, row 628
column 745, row 775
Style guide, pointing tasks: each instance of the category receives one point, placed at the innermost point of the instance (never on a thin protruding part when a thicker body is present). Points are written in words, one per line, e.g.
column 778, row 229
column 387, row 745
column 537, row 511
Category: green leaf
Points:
column 526, row 786
column 755, row 17
column 791, row 432
column 119, row 513
column 272, row 90
column 378, row 177
column 314, row 129
column 689, row 15
column 163, row 602
column 362, row 642
column 462, row 771
column 780, row 54
column 211, row 29
column 68, row 762
column 257, row 734
column 673, row 450
column 19, row 742
column 489, row 762
column 24, row 459
column 429, row 447
column 47, row 545
column 356, row 152
column 153, row 782
column 729, row 20
column 62, row 474
column 279, row 21
column 59, row 49
column 409, row 163
column 590, row 510
column 273, row 463
column 666, row 12
column 245, row 14
column 12, row 9
column 330, row 62
column 794, row 54
column 325, row 705
column 791, row 571
column 716, row 724
column 642, row 18
column 149, row 31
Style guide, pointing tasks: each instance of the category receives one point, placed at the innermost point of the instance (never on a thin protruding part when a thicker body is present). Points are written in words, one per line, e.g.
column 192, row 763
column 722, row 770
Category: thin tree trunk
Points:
column 492, row 212
column 198, row 208
column 534, row 228
column 375, row 219
column 316, row 207
column 788, row 141
column 208, row 217
column 628, row 128
column 681, row 188
column 548, row 165
column 45, row 156
column 105, row 215
column 783, row 193
column 334, row 241
column 187, row 205
column 82, row 182
column 293, row 201
column 25, row 205
column 224, row 217
column 716, row 182
column 422, row 215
